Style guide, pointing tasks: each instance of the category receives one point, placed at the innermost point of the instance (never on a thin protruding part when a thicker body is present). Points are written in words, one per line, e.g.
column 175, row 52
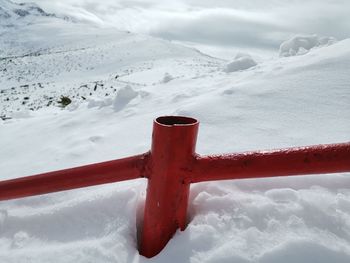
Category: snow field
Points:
column 281, row 102
column 243, row 221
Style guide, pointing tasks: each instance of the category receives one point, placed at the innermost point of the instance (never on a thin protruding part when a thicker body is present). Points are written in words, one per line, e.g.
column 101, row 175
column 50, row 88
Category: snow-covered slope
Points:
column 13, row 15
column 13, row 11
column 118, row 82
column 52, row 57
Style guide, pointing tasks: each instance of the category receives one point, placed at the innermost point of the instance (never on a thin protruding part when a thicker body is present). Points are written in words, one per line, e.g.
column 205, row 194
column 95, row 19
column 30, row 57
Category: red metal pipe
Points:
column 331, row 158
column 93, row 174
column 171, row 166
column 173, row 148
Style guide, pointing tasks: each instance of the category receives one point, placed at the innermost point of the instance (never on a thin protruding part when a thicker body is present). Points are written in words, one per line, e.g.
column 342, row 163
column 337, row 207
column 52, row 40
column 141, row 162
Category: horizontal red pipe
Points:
column 93, row 174
column 328, row 158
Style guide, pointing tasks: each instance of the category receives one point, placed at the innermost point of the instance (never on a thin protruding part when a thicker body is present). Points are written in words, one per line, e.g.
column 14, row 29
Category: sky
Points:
column 220, row 24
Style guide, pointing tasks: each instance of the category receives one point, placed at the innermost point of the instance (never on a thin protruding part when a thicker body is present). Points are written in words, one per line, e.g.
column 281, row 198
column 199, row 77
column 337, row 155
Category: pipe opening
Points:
column 176, row 120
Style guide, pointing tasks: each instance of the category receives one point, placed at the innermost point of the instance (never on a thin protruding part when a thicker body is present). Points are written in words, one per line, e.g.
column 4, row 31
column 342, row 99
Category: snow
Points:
column 14, row 15
column 241, row 62
column 119, row 82
column 299, row 45
column 167, row 77
column 239, row 25
column 124, row 96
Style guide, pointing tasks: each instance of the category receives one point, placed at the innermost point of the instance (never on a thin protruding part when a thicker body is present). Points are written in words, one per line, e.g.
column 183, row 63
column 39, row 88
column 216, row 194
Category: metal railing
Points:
column 171, row 166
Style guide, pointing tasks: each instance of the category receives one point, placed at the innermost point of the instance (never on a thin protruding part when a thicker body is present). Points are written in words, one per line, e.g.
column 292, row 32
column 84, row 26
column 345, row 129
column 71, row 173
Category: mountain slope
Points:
column 13, row 15
column 53, row 57
column 12, row 11
column 282, row 102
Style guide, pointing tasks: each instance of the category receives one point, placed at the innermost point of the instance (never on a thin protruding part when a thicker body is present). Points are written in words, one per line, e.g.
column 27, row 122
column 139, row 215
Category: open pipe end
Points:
column 175, row 121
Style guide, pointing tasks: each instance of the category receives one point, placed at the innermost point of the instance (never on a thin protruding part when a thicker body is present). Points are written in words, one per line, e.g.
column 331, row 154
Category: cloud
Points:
column 223, row 27
column 239, row 23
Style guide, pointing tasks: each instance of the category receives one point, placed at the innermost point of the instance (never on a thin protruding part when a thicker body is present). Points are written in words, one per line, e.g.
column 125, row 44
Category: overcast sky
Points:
column 224, row 23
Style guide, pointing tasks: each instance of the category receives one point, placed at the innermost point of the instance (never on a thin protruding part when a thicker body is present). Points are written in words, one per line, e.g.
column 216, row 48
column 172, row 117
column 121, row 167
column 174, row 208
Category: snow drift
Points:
column 241, row 62
column 299, row 45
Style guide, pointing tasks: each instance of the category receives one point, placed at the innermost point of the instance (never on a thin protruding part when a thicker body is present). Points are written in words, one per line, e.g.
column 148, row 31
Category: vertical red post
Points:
column 172, row 154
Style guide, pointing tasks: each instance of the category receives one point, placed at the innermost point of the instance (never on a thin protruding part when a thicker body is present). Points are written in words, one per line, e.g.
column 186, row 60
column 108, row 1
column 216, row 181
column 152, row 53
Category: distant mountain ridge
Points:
column 9, row 9
column 12, row 14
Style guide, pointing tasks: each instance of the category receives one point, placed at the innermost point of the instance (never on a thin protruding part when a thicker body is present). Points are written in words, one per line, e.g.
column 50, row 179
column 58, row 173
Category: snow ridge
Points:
column 301, row 44
column 11, row 13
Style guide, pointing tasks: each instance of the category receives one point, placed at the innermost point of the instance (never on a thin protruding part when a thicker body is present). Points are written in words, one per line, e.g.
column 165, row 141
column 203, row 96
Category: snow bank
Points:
column 301, row 44
column 266, row 226
column 120, row 101
column 241, row 62
column 124, row 96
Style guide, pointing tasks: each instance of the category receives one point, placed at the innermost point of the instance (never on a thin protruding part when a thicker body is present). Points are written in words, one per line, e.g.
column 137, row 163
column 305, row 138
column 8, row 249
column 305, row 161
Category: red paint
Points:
column 93, row 174
column 171, row 166
column 173, row 148
column 327, row 158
